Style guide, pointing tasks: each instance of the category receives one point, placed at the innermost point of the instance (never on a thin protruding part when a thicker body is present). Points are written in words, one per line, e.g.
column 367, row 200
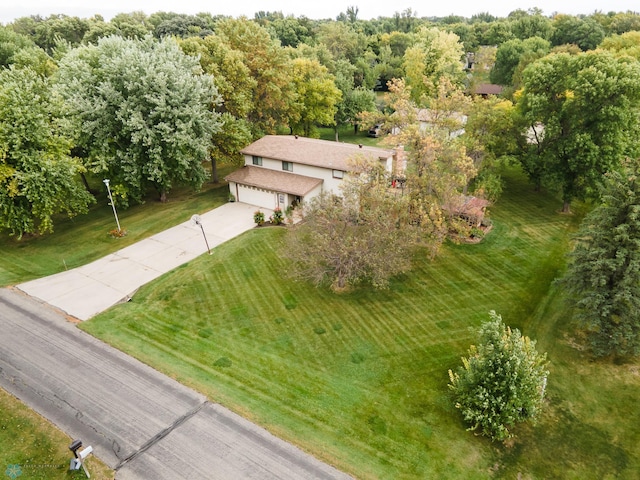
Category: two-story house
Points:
column 283, row 170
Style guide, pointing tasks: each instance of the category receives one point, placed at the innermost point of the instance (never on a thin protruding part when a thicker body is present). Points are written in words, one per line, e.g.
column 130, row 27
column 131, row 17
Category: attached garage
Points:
column 269, row 189
column 256, row 196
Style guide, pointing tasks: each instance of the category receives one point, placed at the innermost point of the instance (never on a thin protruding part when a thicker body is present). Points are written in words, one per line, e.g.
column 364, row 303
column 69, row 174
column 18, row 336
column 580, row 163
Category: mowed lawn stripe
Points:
column 359, row 379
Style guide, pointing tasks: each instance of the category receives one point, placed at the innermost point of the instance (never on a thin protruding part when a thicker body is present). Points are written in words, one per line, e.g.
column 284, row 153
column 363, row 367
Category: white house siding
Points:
column 317, row 166
column 314, row 193
column 330, row 184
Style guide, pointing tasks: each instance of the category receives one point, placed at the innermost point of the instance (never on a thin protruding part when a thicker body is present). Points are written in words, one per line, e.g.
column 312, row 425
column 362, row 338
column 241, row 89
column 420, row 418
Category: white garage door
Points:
column 257, row 196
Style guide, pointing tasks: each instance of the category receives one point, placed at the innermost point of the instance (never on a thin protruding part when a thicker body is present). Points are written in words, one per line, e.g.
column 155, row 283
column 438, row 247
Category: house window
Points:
column 338, row 174
column 257, row 160
column 288, row 166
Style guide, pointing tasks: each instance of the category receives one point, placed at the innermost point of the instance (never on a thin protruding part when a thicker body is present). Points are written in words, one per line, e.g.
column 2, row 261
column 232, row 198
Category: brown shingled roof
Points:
column 471, row 206
column 487, row 89
column 274, row 180
column 310, row 151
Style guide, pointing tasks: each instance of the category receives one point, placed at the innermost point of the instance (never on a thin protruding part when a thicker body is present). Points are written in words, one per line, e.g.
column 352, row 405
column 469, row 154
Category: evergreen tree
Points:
column 603, row 278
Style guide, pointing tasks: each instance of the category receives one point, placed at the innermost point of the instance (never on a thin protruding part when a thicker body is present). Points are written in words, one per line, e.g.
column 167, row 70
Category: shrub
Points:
column 277, row 218
column 258, row 217
column 502, row 382
column 477, row 232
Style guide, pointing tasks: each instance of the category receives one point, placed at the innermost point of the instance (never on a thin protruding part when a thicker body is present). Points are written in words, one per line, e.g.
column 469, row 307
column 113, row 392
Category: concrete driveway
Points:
column 140, row 422
column 88, row 290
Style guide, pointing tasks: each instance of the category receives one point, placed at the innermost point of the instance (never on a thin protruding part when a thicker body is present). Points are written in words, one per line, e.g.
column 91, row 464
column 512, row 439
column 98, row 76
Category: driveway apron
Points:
column 88, row 290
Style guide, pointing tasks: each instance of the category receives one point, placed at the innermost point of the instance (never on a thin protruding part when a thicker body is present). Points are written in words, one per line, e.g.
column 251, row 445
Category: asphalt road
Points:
column 139, row 422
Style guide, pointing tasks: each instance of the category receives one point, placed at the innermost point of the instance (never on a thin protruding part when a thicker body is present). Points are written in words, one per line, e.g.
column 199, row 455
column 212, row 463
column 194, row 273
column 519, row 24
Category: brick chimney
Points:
column 399, row 161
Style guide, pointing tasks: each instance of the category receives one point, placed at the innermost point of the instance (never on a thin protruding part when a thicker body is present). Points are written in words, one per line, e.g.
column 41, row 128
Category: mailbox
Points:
column 75, row 446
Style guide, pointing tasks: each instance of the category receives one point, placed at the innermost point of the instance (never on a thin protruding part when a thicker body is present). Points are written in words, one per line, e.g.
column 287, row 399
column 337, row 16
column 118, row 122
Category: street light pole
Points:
column 113, row 205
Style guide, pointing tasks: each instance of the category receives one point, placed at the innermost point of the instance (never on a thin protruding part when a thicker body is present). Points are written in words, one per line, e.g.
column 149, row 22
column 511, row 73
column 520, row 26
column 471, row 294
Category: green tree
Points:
column 502, row 381
column 98, row 28
column 435, row 55
column 10, row 44
column 510, row 55
column 316, row 93
column 342, row 40
column 183, row 26
column 142, row 111
column 389, row 63
column 625, row 22
column 627, row 44
column 603, row 278
column 235, row 85
column 586, row 33
column 233, row 135
column 491, row 134
column 289, row 30
column 231, row 76
column 37, row 59
column 274, row 94
column 133, row 25
column 353, row 103
column 38, row 177
column 362, row 236
column 528, row 25
column 49, row 32
column 496, row 33
column 587, row 106
column 484, row 59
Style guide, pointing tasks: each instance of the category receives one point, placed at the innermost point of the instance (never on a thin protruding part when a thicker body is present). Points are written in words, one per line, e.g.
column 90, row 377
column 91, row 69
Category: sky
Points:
column 315, row 9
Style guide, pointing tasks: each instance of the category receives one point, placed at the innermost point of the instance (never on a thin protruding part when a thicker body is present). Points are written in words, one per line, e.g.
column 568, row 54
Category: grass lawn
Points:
column 85, row 238
column 33, row 448
column 347, row 135
column 360, row 379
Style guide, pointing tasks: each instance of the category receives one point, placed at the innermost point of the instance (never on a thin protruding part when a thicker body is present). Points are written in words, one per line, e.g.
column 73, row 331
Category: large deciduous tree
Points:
column 502, row 381
column 436, row 54
column 586, row 33
column 10, row 44
column 143, row 113
column 235, row 85
column 626, row 44
column 603, row 279
column 587, row 107
column 317, row 95
column 516, row 54
column 38, row 177
column 439, row 167
column 361, row 236
column 274, row 94
column 491, row 135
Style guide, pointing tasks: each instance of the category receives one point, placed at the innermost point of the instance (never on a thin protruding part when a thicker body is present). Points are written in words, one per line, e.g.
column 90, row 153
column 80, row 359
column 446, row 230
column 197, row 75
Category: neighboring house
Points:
column 284, row 170
column 429, row 118
column 485, row 90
